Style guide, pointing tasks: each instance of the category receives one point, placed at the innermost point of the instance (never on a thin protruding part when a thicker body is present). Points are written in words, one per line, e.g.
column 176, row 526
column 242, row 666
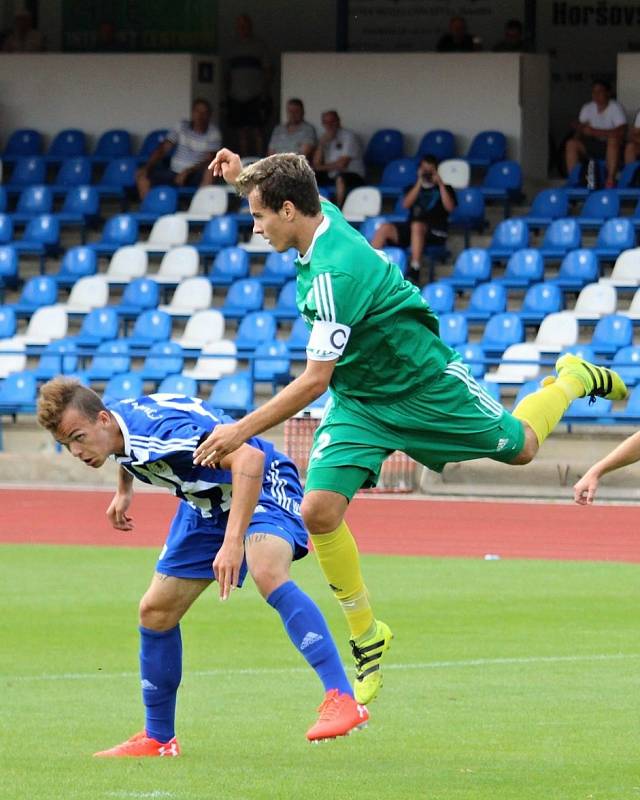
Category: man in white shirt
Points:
column 600, row 131
column 632, row 149
column 338, row 157
column 296, row 135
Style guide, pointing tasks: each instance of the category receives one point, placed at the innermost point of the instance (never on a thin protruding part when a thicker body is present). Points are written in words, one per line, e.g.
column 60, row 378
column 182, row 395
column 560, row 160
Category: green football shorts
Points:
column 453, row 419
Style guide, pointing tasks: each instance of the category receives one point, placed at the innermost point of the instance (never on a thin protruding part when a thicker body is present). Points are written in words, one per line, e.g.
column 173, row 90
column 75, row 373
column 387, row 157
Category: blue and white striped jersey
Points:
column 161, row 432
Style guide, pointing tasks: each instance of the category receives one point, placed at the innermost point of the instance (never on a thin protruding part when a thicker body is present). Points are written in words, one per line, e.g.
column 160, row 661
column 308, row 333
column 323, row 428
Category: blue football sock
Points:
column 308, row 631
column 160, row 674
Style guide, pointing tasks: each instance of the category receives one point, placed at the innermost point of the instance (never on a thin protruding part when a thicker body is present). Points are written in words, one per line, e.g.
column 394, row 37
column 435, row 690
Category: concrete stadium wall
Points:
column 628, row 84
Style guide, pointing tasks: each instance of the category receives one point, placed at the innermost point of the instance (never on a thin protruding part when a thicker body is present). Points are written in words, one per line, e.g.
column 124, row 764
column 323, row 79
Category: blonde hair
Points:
column 281, row 177
column 61, row 393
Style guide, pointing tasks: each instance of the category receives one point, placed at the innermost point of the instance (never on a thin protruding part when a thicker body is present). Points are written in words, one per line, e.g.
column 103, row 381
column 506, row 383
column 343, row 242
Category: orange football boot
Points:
column 141, row 746
column 340, row 714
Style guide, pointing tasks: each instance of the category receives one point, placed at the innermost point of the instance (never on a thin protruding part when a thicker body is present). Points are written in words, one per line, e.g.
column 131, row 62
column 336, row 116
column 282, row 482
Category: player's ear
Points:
column 104, row 416
column 288, row 210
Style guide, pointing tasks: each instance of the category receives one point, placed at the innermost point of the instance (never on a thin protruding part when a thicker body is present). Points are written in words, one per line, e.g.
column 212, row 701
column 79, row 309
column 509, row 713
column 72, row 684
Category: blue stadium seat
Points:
column 509, row 235
column 4, row 200
column 399, row 213
column 370, row 226
column 243, row 296
column 575, row 186
column 598, row 207
column 8, row 268
column 474, row 357
column 150, row 327
column 33, row 200
column 122, row 387
column 472, row 266
column 539, row 300
column 150, row 142
column 397, row 256
column 523, row 268
column 41, row 290
column 469, row 213
column 386, row 144
column 159, row 200
column 81, row 207
column 219, row 232
column 286, row 307
column 18, row 393
column 119, row 175
column 112, row 144
column 28, row 171
column 578, row 268
column 617, row 234
column 560, row 237
column 99, row 325
column 77, row 262
column 279, row 268
column 233, row 394
column 41, row 236
column 69, row 143
column 440, row 297
column 439, row 143
column 57, row 358
column 612, row 333
column 528, row 387
column 119, row 230
column 255, row 328
column 298, row 338
column 6, row 229
column 7, row 322
column 163, row 359
column 486, row 300
column 72, row 172
column 178, row 384
column 22, row 143
column 111, row 358
column 272, row 364
column 486, row 148
column 501, row 331
column 626, row 363
column 231, row 264
column 142, row 294
column 628, row 188
column 547, row 205
column 586, row 410
column 397, row 176
column 583, row 350
column 454, row 330
column 503, row 181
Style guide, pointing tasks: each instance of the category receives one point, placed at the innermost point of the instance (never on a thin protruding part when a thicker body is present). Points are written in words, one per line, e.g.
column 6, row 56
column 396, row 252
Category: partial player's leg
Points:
column 269, row 559
column 162, row 607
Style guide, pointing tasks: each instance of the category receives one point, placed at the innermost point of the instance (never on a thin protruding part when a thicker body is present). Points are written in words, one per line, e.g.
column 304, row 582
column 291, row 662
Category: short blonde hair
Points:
column 61, row 393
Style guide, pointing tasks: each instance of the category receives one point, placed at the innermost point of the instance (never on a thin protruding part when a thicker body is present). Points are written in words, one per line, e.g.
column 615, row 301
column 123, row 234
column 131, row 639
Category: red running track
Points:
column 390, row 526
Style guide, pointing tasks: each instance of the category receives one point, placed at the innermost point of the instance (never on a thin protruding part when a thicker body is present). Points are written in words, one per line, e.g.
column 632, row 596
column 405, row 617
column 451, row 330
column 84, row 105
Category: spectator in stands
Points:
column 295, row 135
column 599, row 132
column 458, row 40
column 196, row 142
column 430, row 201
column 23, row 38
column 513, row 41
column 248, row 78
column 632, row 149
column 338, row 157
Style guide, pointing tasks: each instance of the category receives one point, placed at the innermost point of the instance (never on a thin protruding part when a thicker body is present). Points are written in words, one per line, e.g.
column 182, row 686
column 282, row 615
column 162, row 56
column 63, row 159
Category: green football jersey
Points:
column 347, row 291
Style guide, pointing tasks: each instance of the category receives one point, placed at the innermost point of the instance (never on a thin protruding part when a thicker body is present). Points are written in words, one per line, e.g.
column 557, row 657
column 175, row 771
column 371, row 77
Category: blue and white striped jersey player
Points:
column 243, row 513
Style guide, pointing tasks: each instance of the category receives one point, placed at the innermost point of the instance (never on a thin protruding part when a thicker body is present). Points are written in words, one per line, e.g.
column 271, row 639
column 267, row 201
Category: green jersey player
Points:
column 394, row 384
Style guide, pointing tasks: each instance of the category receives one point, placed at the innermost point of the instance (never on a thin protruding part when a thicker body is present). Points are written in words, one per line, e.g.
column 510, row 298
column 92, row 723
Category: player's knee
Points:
column 154, row 617
column 267, row 577
column 318, row 515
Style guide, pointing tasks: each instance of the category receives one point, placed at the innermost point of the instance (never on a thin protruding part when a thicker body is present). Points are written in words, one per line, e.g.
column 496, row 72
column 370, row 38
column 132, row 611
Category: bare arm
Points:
column 627, row 452
column 293, row 398
column 162, row 150
column 118, row 507
column 227, row 165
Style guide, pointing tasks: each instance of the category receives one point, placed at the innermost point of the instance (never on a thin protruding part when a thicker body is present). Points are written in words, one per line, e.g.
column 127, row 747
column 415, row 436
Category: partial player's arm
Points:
column 227, row 165
column 118, row 507
column 247, row 474
column 302, row 391
column 628, row 452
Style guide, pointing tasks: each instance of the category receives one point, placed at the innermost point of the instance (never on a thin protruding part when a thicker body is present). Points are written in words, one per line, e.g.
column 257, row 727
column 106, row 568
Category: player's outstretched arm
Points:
column 226, row 164
column 302, row 391
column 628, row 452
column 247, row 475
column 118, row 507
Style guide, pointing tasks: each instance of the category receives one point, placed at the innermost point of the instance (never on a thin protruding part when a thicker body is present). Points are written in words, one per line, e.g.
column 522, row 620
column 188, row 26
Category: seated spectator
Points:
column 430, row 201
column 599, row 132
column 295, row 135
column 338, row 157
column 513, row 41
column 458, row 40
column 632, row 149
column 23, row 38
column 196, row 142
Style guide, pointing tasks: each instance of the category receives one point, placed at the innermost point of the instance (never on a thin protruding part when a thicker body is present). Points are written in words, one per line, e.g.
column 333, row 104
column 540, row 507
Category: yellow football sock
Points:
column 543, row 410
column 339, row 560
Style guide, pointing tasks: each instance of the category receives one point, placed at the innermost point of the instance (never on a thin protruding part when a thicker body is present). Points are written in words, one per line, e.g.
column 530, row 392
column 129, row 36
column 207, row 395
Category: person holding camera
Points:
column 429, row 201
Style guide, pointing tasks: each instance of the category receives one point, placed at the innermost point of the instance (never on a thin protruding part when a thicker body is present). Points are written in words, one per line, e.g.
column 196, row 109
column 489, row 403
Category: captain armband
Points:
column 327, row 341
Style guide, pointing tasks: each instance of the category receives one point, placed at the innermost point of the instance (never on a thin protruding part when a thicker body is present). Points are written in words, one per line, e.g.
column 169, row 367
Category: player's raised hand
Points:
column 584, row 491
column 227, row 165
column 226, row 567
column 224, row 439
column 117, row 512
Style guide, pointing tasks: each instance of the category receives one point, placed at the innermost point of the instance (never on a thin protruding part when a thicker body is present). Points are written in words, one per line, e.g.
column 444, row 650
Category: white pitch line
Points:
column 427, row 665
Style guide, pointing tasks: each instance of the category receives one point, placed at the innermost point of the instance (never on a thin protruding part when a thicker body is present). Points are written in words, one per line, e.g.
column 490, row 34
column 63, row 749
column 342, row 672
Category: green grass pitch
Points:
column 515, row 680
